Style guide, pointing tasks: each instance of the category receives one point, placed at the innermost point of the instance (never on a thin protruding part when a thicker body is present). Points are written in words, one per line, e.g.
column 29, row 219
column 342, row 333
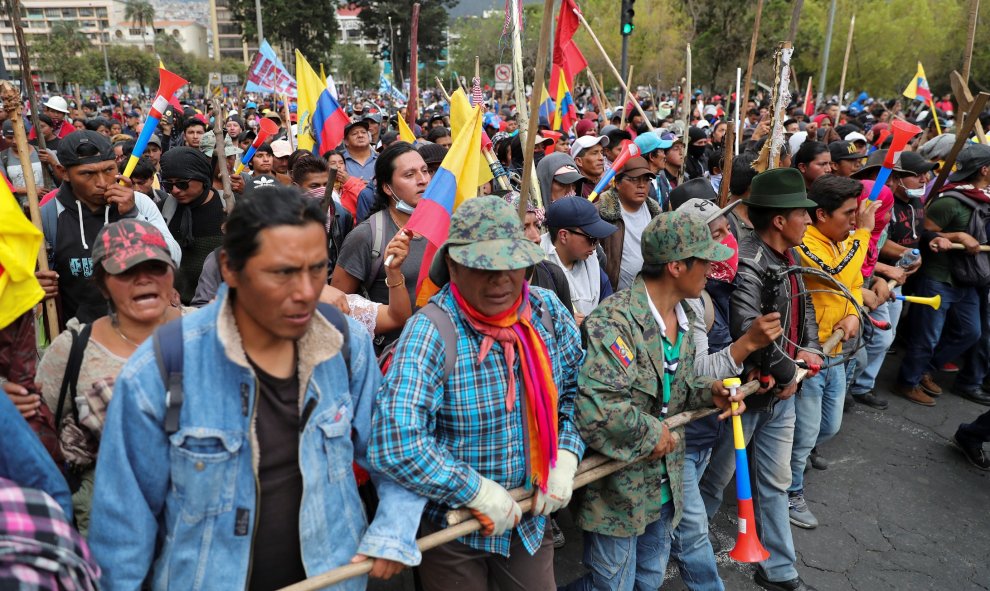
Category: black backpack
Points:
column 967, row 269
column 169, row 354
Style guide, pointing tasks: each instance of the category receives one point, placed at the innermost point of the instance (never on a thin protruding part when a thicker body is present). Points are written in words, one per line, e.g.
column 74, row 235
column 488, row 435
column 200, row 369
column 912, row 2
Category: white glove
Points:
column 495, row 508
column 560, row 485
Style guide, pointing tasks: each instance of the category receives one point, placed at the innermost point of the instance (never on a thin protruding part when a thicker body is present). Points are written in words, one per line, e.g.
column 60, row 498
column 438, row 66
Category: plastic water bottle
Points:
column 909, row 258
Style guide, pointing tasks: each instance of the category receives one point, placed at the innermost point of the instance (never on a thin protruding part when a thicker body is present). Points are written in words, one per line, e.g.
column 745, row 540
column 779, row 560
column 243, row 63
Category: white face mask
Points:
column 403, row 206
column 914, row 193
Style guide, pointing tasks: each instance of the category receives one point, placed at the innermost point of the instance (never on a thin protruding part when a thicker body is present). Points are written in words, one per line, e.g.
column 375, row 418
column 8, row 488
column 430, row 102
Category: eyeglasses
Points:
column 182, row 185
column 591, row 239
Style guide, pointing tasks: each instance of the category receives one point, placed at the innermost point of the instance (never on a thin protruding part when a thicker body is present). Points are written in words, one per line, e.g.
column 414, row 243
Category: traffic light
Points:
column 627, row 17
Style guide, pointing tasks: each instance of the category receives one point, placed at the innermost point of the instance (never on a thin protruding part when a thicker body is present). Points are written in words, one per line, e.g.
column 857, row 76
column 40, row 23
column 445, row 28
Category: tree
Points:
column 375, row 15
column 127, row 65
column 481, row 37
column 310, row 27
column 60, row 56
column 141, row 13
column 353, row 61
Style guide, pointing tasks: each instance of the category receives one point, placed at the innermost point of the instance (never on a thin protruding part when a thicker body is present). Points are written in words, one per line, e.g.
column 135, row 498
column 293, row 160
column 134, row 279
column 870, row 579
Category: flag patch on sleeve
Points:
column 622, row 351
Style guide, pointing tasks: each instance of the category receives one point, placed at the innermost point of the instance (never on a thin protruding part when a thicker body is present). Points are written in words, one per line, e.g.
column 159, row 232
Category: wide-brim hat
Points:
column 779, row 188
column 873, row 163
column 486, row 234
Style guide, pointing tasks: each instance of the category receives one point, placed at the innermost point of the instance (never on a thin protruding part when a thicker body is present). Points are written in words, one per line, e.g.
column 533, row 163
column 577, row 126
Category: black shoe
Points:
column 974, row 453
column 870, row 399
column 849, row 403
column 974, row 394
column 795, row 584
column 716, row 544
column 817, row 462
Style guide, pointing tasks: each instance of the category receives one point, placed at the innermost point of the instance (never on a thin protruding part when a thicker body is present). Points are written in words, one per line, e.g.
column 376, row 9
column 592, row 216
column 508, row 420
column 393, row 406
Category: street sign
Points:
column 215, row 78
column 503, row 86
column 503, row 73
column 230, row 79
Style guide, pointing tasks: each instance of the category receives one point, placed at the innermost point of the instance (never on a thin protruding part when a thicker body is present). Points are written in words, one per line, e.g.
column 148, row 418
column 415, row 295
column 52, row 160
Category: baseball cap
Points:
column 844, row 150
column 705, row 209
column 678, row 235
column 855, row 136
column 636, row 167
column 586, row 141
column 651, row 141
column 84, row 147
column 699, row 188
column 359, row 123
column 127, row 243
column 578, row 212
column 208, row 145
column 8, row 128
column 154, row 139
column 281, row 148
column 567, row 174
column 133, row 113
column 485, row 233
column 584, row 127
column 915, row 163
column 970, row 160
column 374, row 116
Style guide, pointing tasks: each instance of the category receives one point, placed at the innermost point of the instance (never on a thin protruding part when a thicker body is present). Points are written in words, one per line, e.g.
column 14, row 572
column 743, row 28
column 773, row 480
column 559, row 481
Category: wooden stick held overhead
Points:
column 622, row 120
column 220, row 151
column 752, row 53
column 534, row 108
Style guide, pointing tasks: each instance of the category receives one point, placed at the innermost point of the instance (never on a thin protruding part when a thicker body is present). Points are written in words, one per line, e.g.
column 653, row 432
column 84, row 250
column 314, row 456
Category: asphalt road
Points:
column 899, row 506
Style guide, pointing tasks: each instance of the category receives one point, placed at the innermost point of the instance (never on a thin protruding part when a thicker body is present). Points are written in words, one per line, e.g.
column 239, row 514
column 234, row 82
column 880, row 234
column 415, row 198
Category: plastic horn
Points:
column 934, row 301
column 629, row 150
column 266, row 128
column 903, row 132
column 748, row 547
column 168, row 83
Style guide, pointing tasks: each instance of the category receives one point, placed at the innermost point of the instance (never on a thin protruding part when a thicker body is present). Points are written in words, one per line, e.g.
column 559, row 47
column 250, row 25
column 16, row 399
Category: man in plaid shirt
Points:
column 501, row 418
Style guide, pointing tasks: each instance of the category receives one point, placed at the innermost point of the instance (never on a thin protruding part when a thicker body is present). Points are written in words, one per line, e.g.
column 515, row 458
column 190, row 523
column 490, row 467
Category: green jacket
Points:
column 617, row 412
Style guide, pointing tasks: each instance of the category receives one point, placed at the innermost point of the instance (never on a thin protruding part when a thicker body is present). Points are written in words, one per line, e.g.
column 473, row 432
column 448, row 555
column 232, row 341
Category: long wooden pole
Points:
column 795, row 19
column 974, row 13
column 12, row 104
column 845, row 61
column 413, row 104
column 25, row 59
column 728, row 149
column 752, row 52
column 622, row 120
column 221, row 153
column 686, row 104
column 629, row 96
column 518, row 80
column 528, row 172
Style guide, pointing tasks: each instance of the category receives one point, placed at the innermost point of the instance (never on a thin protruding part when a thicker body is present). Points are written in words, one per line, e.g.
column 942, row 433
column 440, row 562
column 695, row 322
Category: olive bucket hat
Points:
column 779, row 188
column 485, row 233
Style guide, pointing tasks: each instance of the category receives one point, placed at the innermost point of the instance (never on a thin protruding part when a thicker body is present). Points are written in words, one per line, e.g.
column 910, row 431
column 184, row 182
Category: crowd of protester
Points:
column 246, row 394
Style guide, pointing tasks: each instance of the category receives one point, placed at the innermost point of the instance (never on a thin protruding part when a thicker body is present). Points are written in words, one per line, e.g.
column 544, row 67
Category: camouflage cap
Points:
column 678, row 235
column 127, row 243
column 208, row 145
column 485, row 233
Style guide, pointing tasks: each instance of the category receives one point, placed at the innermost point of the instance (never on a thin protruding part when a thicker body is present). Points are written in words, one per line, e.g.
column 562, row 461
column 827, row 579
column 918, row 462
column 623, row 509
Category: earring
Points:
column 112, row 314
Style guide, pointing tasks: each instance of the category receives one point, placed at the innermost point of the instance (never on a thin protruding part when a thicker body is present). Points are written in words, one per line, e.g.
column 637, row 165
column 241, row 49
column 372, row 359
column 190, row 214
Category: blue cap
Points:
column 648, row 142
column 578, row 212
column 251, row 105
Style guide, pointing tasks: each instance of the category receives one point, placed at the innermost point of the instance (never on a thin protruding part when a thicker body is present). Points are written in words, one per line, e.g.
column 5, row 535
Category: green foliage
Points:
column 127, row 64
column 310, row 27
column 481, row 37
column 351, row 60
column 433, row 19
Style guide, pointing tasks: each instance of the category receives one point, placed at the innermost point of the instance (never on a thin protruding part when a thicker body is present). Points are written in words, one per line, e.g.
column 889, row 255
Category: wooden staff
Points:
column 752, row 53
column 594, row 89
column 845, row 60
column 974, row 11
column 534, row 107
column 221, row 153
column 962, row 135
column 288, row 123
column 12, row 104
column 957, row 246
column 615, row 72
column 686, row 107
column 413, row 103
column 728, row 148
column 964, row 98
column 795, row 19
column 622, row 120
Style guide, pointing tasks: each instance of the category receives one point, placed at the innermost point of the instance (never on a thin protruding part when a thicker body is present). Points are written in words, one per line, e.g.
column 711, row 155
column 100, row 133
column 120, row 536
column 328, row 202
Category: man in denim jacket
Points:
column 255, row 489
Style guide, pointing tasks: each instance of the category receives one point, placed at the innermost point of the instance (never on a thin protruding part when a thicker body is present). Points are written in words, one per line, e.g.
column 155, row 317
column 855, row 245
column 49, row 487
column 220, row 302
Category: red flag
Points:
column 809, row 103
column 566, row 55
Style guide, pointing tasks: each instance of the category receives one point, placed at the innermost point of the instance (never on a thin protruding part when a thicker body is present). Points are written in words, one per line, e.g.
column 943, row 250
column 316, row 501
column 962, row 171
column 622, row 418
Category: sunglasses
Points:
column 591, row 239
column 182, row 185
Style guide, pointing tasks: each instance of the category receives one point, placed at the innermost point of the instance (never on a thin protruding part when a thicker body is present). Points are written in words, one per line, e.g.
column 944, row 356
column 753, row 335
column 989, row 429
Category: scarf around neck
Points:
column 511, row 329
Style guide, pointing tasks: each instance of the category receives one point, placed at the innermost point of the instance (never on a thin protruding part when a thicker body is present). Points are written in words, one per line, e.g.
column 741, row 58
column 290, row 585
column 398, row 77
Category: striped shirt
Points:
column 439, row 439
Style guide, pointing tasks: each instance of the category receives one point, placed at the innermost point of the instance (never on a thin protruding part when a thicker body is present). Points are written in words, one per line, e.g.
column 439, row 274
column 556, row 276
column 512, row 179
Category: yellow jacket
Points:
column 844, row 262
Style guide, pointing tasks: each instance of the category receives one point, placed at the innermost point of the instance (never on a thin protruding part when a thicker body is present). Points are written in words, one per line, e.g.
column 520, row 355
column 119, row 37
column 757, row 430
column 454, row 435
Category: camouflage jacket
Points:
column 618, row 408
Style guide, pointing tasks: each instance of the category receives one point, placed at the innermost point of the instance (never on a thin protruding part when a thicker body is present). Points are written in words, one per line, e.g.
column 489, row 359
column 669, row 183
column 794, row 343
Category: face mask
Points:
column 316, row 193
column 696, row 151
column 726, row 270
column 914, row 193
column 403, row 206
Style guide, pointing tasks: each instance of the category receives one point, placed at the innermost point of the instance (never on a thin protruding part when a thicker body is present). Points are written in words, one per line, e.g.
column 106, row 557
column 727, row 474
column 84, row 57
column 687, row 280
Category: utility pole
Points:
column 626, row 27
column 261, row 30
column 828, row 47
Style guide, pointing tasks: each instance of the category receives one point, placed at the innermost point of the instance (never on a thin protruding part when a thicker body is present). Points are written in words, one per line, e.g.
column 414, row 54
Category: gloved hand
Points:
column 560, row 485
column 495, row 508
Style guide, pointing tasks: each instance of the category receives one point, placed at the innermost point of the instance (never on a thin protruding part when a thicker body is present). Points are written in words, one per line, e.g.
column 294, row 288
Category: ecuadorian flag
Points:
column 455, row 182
column 321, row 119
column 566, row 113
column 918, row 88
column 547, row 107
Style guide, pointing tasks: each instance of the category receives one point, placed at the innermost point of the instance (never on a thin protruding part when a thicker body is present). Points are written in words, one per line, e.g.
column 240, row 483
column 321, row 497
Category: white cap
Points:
column 855, row 136
column 57, row 103
column 586, row 141
column 702, row 123
column 281, row 148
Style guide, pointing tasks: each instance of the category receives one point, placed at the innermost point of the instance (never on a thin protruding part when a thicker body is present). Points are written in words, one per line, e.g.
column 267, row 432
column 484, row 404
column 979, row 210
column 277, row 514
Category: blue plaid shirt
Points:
column 438, row 439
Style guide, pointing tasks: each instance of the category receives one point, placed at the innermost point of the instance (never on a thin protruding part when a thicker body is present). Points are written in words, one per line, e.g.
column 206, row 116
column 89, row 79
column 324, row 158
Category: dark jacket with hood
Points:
column 610, row 210
column 545, row 170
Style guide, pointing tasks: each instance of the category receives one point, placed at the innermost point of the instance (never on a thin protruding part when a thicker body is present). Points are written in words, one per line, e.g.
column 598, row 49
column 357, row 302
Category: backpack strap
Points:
column 339, row 321
column 72, row 366
column 377, row 223
column 441, row 319
column 169, row 353
column 49, row 227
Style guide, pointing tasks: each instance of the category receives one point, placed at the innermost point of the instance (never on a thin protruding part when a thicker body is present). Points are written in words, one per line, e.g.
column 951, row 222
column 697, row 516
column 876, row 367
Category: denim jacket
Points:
column 183, row 507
